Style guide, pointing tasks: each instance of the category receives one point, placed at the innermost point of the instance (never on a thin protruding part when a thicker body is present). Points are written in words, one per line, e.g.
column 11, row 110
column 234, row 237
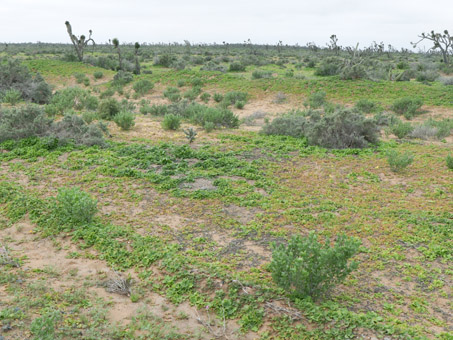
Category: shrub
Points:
column 288, row 125
column 142, row 86
column 75, row 207
column 123, row 77
column 399, row 161
column 351, row 72
column 407, row 106
column 125, row 120
column 73, row 128
column 98, row 75
column 329, row 67
column 308, row 268
column 205, row 97
column 341, row 129
column 366, row 106
column 12, row 96
column 171, row 122
column 173, row 94
column 80, row 77
column 230, row 98
column 449, row 161
column 239, row 104
column 200, row 114
column 155, row 110
column 218, row 97
column 447, row 81
column 165, row 60
column 236, row 67
column 14, row 75
column 258, row 74
column 109, row 108
column 427, row 76
column 209, row 126
column 22, row 122
column 316, row 100
column 73, row 98
column 192, row 94
column 424, row 131
column 181, row 82
column 401, row 129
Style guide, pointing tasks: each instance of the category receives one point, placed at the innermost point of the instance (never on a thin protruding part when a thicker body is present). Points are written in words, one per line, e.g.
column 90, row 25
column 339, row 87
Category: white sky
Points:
column 396, row 22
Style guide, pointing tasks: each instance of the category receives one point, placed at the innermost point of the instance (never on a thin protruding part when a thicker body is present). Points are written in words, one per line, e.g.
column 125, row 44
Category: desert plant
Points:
column 230, row 98
column 173, row 94
column 287, row 125
column 98, row 75
column 22, row 122
column 11, row 96
column 399, row 161
column 401, row 129
column 123, row 77
column 79, row 42
column 75, row 207
column 190, row 134
column 218, row 97
column 125, row 120
column 239, row 104
column 236, row 67
column 449, row 161
column 171, row 122
column 447, row 81
column 15, row 76
column 208, row 126
column 343, row 128
column 258, row 74
column 366, row 106
column 109, row 108
column 308, row 268
column 407, row 106
column 424, row 131
column 73, row 128
column 142, row 86
column 205, row 97
column 316, row 100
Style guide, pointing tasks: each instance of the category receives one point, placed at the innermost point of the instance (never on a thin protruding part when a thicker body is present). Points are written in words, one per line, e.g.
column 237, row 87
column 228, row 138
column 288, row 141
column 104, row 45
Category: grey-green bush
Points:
column 449, row 161
column 309, row 268
column 401, row 129
column 142, row 86
column 109, row 108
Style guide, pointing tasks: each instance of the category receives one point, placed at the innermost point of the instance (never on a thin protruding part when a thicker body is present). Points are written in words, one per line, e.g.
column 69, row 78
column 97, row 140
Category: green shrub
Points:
column 239, row 104
column 401, row 129
column 316, row 100
column 209, row 126
column 308, row 268
column 75, row 207
column 218, row 97
column 399, row 161
column 155, row 110
column 165, row 60
column 197, row 82
column 73, row 98
column 98, row 75
column 407, row 106
column 109, row 108
column 329, row 67
column 258, row 74
column 192, row 93
column 200, row 114
column 181, row 82
column 236, row 67
column 449, row 161
column 171, row 122
column 173, row 94
column 11, row 96
column 80, row 77
column 125, row 120
column 142, row 86
column 231, row 98
column 366, row 106
column 205, row 97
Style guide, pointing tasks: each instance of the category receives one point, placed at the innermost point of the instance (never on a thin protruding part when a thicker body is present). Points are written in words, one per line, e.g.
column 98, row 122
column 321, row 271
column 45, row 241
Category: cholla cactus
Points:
column 190, row 134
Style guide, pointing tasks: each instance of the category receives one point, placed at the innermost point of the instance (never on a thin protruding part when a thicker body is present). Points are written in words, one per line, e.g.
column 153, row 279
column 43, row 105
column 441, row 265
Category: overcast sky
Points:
column 396, row 22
